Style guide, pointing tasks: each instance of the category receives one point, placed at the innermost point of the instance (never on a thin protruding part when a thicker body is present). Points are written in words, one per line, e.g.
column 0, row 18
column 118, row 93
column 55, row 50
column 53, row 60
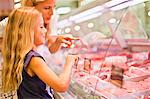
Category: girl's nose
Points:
column 45, row 30
column 50, row 12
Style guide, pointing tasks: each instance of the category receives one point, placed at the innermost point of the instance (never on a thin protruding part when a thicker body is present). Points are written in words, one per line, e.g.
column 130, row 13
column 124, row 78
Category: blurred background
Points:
column 112, row 32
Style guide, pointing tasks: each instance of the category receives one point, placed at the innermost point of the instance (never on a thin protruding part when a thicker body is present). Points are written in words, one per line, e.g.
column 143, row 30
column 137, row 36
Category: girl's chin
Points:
column 47, row 21
column 42, row 42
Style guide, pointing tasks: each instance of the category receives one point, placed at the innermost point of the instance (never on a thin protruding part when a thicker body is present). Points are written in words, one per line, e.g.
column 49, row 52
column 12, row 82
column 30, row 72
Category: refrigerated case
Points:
column 120, row 38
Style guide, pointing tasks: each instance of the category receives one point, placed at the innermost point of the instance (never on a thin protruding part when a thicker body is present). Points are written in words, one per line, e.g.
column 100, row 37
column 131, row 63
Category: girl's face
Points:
column 39, row 32
column 46, row 8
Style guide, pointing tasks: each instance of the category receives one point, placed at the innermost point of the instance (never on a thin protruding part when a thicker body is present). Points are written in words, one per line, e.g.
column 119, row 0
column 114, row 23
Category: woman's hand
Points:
column 61, row 40
column 66, row 40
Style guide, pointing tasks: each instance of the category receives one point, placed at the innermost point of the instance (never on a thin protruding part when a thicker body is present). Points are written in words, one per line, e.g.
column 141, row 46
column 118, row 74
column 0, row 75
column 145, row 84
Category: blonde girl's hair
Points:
column 18, row 41
column 30, row 2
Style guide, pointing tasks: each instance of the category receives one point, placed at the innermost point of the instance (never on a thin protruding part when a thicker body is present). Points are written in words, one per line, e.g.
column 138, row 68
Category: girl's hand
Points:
column 72, row 58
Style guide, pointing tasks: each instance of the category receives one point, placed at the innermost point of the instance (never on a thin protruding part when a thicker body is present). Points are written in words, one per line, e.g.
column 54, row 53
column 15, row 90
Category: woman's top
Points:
column 32, row 87
column 2, row 26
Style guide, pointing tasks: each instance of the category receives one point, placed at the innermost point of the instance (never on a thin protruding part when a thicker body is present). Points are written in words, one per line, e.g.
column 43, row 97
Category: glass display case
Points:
column 119, row 38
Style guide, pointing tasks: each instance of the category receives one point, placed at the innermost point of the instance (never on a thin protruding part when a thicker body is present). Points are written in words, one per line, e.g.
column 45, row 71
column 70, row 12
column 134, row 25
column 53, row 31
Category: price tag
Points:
column 87, row 64
column 116, row 77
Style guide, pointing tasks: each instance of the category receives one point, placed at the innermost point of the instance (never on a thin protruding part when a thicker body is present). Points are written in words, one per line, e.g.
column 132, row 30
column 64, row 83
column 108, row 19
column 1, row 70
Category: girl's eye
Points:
column 41, row 27
column 48, row 7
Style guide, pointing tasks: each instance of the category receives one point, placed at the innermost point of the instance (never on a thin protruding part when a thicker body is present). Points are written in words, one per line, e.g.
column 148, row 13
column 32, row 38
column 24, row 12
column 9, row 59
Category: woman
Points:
column 46, row 7
column 24, row 69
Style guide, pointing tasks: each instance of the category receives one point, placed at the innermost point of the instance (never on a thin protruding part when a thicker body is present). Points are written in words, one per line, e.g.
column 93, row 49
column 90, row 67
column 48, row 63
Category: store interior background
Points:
column 110, row 30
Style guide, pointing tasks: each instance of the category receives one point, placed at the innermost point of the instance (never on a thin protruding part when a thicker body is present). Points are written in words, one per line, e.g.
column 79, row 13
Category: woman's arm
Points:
column 55, row 46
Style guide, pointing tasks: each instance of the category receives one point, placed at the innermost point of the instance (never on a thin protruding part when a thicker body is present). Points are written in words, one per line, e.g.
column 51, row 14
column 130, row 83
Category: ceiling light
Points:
column 77, row 28
column 67, row 30
column 112, row 20
column 63, row 10
column 59, row 31
column 118, row 21
column 90, row 25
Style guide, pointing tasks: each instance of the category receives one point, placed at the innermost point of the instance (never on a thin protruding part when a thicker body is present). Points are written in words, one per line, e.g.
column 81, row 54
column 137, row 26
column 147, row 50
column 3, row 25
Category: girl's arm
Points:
column 58, row 83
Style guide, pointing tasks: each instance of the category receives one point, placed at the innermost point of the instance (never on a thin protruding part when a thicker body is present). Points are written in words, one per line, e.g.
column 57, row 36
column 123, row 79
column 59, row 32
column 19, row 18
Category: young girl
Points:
column 24, row 69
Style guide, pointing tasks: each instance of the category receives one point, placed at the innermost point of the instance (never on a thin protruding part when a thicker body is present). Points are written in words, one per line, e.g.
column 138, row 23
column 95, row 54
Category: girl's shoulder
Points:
column 29, row 56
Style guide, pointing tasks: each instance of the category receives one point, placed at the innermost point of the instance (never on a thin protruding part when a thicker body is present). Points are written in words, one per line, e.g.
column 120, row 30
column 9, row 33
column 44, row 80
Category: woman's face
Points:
column 39, row 32
column 46, row 8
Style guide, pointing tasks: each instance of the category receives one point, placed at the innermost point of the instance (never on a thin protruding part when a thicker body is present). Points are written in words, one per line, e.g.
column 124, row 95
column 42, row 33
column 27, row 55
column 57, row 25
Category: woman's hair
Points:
column 18, row 41
column 30, row 2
